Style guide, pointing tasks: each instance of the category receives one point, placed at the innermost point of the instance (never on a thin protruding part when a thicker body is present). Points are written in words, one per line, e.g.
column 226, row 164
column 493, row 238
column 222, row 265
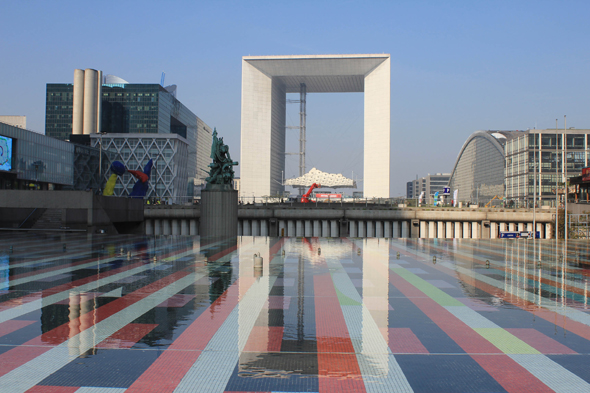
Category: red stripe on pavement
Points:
column 167, row 371
column 403, row 340
column 128, row 336
column 471, row 342
column 511, row 375
column 18, row 356
column 338, row 369
column 12, row 326
column 52, row 389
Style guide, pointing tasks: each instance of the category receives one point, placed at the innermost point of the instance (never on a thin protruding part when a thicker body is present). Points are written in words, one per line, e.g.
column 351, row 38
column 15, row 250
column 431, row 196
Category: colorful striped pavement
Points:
column 108, row 314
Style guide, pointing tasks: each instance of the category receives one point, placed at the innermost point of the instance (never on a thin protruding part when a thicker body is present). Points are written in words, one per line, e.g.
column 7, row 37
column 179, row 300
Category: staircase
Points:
column 51, row 219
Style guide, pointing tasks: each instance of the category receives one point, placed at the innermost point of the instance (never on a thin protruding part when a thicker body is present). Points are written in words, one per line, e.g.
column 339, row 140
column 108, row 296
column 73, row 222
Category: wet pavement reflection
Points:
column 171, row 313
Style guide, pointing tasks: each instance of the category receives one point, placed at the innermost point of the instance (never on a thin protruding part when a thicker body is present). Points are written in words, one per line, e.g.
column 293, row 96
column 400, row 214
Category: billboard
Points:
column 328, row 196
column 5, row 153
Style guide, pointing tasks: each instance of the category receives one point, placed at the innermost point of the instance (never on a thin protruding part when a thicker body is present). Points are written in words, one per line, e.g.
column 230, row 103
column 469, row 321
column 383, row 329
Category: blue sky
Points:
column 456, row 66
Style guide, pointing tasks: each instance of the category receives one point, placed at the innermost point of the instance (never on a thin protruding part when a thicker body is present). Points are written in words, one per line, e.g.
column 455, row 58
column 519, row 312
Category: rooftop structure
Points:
column 327, row 180
column 265, row 82
column 16, row 121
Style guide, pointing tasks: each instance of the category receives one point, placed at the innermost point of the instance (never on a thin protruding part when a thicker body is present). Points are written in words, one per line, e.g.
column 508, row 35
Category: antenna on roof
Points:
column 162, row 79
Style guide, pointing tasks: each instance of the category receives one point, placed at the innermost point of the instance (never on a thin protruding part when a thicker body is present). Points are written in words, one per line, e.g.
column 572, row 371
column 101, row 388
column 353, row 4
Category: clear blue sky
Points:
column 456, row 66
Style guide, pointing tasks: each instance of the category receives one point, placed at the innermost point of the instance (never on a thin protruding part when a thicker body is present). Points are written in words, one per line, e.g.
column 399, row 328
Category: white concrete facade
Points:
column 265, row 82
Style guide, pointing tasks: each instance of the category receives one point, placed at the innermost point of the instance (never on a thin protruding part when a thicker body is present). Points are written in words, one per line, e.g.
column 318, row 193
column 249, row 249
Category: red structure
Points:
column 305, row 197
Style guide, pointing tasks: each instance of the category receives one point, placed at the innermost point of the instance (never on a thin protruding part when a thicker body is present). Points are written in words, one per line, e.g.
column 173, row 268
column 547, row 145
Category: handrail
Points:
column 23, row 223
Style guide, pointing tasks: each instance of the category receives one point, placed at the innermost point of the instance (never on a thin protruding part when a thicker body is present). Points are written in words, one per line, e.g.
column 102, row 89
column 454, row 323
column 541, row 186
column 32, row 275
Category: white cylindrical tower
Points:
column 78, row 111
column 90, row 98
column 98, row 101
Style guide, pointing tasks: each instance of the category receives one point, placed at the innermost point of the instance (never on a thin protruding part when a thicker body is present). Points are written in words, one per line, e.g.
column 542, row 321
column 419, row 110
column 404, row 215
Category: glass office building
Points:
column 36, row 161
column 136, row 110
column 542, row 153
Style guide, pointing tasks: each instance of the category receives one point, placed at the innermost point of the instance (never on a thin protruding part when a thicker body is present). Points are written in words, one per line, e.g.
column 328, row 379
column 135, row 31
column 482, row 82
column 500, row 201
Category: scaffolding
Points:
column 302, row 117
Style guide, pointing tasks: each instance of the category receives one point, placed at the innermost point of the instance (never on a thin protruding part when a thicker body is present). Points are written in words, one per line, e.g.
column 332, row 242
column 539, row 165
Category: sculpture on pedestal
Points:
column 221, row 171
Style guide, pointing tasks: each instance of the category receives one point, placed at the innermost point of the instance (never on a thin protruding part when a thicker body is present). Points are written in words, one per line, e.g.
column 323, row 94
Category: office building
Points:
column 429, row 184
column 29, row 160
column 137, row 122
column 542, row 153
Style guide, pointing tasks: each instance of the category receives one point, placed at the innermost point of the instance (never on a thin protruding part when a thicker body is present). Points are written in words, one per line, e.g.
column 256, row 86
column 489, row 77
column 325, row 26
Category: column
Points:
column 175, row 227
column 291, row 232
column 458, row 230
column 370, row 228
column 307, row 228
column 299, row 228
column 194, row 228
column 149, row 227
column 405, row 229
column 317, row 231
column 502, row 227
column 529, row 226
column 493, row 230
column 326, row 229
column 247, row 228
column 395, row 229
column 282, row 228
column 240, row 228
column 540, row 230
column 440, row 230
column 449, row 230
column 475, row 230
column 431, row 229
column 511, row 226
column 378, row 228
column 353, row 229
column 521, row 226
column 263, row 228
column 466, row 230
column 361, row 229
column 166, row 227
column 157, row 227
column 334, row 228
column 548, row 229
column 387, row 229
column 423, row 230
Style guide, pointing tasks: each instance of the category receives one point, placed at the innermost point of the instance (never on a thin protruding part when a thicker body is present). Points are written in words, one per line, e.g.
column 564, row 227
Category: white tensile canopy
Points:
column 328, row 180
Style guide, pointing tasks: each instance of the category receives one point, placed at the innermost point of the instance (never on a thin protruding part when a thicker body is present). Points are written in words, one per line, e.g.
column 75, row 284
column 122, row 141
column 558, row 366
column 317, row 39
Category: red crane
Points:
column 305, row 197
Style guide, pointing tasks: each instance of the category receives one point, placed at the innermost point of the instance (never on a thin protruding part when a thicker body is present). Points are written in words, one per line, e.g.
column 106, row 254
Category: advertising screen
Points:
column 5, row 153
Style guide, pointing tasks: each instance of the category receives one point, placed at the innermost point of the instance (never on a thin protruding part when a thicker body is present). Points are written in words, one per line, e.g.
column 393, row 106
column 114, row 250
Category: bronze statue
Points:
column 221, row 171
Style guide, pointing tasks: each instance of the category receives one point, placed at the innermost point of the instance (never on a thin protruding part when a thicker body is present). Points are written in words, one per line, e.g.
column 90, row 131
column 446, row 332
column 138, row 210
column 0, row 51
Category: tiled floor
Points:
column 169, row 314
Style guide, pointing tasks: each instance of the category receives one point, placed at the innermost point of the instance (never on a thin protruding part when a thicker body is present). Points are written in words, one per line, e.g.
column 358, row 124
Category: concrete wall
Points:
column 82, row 209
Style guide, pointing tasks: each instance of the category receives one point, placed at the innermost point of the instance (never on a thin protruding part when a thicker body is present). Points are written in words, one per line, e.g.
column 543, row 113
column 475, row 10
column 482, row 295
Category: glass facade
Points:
column 59, row 104
column 545, row 148
column 38, row 158
column 138, row 109
column 479, row 170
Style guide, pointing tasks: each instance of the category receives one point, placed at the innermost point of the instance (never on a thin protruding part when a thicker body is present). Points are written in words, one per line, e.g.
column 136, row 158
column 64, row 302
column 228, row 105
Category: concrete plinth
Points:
column 219, row 212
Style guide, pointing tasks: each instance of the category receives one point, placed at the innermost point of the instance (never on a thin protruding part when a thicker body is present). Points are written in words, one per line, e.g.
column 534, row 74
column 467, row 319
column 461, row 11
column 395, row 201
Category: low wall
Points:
column 79, row 209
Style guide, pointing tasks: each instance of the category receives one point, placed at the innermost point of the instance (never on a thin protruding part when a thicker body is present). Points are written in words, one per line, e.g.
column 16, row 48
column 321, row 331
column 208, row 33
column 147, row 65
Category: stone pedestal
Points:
column 219, row 212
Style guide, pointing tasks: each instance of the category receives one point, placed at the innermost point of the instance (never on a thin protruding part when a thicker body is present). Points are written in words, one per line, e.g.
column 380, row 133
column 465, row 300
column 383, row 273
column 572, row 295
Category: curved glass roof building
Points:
column 478, row 173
